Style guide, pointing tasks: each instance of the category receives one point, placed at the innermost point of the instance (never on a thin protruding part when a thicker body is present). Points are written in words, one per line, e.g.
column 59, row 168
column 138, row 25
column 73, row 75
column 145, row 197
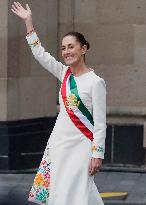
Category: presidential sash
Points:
column 75, row 108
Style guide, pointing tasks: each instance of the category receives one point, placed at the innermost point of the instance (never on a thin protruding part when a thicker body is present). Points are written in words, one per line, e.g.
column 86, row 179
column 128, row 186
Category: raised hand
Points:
column 20, row 11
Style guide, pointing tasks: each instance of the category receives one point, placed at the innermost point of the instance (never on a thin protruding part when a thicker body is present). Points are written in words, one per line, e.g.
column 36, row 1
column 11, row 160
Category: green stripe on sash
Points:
column 82, row 108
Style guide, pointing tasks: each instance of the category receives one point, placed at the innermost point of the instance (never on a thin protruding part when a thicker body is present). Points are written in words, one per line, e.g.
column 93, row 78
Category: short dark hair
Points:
column 79, row 37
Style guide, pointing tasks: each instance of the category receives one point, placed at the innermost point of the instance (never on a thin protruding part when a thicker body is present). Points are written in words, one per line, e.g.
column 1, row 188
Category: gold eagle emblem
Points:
column 72, row 102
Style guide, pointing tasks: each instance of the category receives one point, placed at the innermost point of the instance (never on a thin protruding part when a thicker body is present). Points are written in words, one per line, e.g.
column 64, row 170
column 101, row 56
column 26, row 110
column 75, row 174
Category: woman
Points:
column 75, row 149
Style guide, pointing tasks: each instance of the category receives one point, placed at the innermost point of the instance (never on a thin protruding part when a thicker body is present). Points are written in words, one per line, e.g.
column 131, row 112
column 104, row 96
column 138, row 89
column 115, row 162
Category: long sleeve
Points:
column 44, row 58
column 99, row 116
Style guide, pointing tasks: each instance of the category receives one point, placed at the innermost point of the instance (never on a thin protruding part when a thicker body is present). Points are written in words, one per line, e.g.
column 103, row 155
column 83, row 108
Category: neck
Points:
column 79, row 68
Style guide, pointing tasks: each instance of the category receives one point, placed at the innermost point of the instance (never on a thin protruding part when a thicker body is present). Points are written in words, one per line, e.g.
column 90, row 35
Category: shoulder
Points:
column 97, row 80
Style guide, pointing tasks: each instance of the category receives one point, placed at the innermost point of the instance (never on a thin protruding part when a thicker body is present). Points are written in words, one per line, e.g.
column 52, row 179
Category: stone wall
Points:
column 27, row 90
column 3, row 58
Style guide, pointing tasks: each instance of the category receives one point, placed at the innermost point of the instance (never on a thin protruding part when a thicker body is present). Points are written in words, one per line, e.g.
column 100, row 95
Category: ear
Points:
column 84, row 49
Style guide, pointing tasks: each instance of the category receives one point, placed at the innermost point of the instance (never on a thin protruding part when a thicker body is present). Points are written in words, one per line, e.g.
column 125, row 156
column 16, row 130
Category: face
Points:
column 72, row 52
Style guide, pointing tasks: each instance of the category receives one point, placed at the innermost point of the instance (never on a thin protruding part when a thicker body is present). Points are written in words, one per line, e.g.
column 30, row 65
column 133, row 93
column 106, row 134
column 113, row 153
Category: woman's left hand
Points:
column 95, row 165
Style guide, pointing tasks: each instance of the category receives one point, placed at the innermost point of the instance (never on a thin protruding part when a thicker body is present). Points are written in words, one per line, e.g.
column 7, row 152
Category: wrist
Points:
column 97, row 158
column 30, row 32
column 28, row 20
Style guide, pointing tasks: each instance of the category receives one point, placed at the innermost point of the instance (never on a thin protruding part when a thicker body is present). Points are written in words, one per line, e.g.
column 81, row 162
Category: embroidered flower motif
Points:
column 100, row 149
column 97, row 149
column 94, row 148
column 72, row 102
column 31, row 194
column 38, row 179
column 45, row 184
column 41, row 196
column 35, row 43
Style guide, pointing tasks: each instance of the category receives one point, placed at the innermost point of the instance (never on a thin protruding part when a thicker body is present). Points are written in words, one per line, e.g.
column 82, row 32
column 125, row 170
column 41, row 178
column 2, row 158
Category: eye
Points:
column 63, row 48
column 71, row 46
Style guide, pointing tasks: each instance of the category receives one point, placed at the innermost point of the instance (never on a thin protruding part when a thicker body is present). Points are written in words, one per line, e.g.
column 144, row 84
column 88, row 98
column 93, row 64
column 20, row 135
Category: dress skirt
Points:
column 70, row 154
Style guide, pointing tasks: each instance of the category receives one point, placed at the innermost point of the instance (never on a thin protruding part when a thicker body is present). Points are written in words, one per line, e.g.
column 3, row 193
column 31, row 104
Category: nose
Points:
column 66, row 51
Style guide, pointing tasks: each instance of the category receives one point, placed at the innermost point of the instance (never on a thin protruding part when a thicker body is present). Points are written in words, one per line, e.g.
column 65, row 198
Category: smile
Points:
column 68, row 57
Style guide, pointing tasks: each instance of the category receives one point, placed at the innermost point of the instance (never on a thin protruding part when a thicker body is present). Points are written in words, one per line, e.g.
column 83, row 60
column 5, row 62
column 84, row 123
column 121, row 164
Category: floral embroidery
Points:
column 100, row 149
column 72, row 102
column 38, row 180
column 41, row 196
column 94, row 148
column 97, row 149
column 40, row 189
column 35, row 43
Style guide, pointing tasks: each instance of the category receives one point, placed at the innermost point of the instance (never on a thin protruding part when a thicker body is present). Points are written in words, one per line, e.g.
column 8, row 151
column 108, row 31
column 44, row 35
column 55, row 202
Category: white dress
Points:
column 71, row 151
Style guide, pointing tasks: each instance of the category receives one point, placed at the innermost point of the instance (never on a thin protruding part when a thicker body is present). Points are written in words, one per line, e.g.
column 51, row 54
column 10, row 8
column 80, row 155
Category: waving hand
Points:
column 20, row 11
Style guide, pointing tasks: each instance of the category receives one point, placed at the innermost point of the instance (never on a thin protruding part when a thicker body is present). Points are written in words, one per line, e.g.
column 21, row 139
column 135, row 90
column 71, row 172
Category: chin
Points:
column 67, row 63
column 70, row 63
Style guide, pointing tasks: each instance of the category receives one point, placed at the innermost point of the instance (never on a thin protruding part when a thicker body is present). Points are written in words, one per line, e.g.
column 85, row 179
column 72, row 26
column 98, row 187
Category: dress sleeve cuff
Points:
column 97, row 152
column 33, row 40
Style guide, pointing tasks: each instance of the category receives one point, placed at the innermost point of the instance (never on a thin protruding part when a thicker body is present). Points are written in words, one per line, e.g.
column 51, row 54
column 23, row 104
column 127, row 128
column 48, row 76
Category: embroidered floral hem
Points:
column 40, row 189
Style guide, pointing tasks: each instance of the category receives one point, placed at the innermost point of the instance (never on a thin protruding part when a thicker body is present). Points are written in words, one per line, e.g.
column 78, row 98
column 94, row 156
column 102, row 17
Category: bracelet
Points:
column 30, row 32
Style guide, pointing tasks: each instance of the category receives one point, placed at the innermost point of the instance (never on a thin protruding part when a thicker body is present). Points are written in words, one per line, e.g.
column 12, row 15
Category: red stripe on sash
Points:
column 71, row 114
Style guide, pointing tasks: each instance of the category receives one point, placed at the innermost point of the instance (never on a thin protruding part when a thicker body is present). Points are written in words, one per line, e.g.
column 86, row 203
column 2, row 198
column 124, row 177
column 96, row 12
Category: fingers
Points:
column 27, row 7
column 14, row 11
column 90, row 167
column 15, row 7
column 94, row 171
column 94, row 166
column 19, row 5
